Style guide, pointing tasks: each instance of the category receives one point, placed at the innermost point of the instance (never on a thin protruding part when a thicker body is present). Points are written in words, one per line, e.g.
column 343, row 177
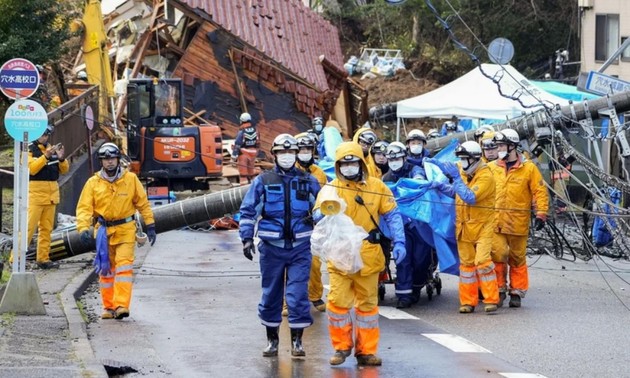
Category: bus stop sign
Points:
column 25, row 116
column 19, row 78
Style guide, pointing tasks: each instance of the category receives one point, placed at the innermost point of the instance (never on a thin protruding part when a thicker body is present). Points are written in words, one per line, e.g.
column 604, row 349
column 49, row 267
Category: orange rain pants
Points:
column 116, row 287
column 362, row 293
column 476, row 271
column 510, row 250
column 245, row 162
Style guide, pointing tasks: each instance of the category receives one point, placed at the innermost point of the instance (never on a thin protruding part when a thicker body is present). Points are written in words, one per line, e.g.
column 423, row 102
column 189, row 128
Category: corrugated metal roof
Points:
column 285, row 30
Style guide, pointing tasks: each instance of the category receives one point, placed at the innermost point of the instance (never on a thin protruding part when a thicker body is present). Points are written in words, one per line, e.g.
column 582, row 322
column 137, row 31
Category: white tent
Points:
column 476, row 96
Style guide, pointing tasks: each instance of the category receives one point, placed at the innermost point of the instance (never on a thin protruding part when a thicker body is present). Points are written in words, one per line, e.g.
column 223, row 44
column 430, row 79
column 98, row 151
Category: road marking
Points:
column 456, row 343
column 522, row 375
column 394, row 313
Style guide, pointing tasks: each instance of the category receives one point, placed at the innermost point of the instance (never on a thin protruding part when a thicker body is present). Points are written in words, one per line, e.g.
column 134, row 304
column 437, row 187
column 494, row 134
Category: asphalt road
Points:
column 194, row 314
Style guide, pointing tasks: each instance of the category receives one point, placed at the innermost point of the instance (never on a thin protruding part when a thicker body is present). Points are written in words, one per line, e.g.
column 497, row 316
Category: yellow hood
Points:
column 350, row 148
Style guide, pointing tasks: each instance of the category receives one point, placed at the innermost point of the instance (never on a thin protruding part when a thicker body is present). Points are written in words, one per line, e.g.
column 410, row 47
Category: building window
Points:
column 625, row 55
column 606, row 35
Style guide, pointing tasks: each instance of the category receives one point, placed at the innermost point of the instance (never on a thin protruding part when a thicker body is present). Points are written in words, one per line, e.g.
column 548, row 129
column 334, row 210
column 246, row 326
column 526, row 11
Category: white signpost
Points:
column 25, row 121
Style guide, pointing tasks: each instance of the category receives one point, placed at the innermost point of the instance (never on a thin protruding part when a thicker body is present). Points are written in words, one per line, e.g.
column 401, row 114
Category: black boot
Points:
column 296, row 342
column 272, row 342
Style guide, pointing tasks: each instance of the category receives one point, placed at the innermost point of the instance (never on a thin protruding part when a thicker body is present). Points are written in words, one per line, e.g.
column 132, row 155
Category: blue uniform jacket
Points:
column 270, row 196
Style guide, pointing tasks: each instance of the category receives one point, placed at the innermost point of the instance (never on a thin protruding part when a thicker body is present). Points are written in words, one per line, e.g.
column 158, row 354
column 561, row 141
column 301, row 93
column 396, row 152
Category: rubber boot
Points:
column 272, row 342
column 296, row 342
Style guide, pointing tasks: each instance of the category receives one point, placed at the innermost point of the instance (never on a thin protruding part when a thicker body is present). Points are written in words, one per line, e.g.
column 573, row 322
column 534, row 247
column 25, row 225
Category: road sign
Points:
column 601, row 84
column 88, row 117
column 25, row 115
column 19, row 78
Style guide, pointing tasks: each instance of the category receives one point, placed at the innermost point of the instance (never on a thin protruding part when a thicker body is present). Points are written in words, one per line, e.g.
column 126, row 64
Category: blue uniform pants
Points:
column 414, row 270
column 275, row 262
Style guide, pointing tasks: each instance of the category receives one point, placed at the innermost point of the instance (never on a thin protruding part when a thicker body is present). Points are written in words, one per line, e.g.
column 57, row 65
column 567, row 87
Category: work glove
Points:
column 86, row 237
column 248, row 249
column 451, row 169
column 399, row 252
column 539, row 223
column 151, row 235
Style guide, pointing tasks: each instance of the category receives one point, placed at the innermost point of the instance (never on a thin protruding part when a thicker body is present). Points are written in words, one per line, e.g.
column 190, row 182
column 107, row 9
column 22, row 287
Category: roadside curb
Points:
column 77, row 326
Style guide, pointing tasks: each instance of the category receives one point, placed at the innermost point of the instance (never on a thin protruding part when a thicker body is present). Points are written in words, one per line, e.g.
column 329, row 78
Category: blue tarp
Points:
column 433, row 211
column 565, row 91
column 602, row 229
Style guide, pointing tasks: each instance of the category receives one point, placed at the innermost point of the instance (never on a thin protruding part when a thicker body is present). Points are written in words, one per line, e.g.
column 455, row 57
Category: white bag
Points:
column 337, row 239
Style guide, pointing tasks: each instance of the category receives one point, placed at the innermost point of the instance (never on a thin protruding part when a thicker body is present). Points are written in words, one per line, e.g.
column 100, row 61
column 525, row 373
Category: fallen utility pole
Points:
column 67, row 243
column 527, row 125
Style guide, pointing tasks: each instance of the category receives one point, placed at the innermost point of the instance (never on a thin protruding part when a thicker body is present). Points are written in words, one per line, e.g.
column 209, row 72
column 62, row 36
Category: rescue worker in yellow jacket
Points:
column 111, row 197
column 366, row 137
column 474, row 226
column 45, row 163
column 305, row 162
column 519, row 184
column 489, row 148
column 368, row 199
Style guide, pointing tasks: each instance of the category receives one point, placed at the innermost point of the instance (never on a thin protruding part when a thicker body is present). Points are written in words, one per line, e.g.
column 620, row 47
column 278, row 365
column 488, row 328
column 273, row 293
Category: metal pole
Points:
column 16, row 205
column 24, row 203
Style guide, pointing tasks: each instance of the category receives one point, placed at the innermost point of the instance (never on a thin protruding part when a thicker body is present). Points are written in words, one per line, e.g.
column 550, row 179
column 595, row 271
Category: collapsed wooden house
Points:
column 276, row 59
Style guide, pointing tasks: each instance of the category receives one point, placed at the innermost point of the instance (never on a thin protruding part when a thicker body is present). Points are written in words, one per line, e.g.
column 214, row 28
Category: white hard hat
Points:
column 506, row 136
column 469, row 149
column 245, row 117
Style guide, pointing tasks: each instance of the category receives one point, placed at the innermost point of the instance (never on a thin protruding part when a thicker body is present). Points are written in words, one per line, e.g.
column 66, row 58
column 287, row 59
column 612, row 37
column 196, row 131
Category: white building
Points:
column 604, row 27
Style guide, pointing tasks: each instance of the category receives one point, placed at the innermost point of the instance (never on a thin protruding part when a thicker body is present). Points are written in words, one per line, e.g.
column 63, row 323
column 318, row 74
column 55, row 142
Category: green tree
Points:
column 31, row 29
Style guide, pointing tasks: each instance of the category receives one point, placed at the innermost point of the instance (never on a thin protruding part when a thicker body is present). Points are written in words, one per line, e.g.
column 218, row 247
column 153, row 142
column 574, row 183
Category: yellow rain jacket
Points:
column 517, row 189
column 43, row 192
column 373, row 169
column 316, row 171
column 377, row 197
column 113, row 201
column 476, row 221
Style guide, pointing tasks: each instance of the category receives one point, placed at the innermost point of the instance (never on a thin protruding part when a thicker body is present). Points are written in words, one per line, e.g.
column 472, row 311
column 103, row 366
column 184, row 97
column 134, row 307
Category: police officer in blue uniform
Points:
column 409, row 272
column 287, row 195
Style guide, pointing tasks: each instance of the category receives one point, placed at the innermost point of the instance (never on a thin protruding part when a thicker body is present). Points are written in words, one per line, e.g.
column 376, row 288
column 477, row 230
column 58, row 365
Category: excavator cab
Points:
column 161, row 149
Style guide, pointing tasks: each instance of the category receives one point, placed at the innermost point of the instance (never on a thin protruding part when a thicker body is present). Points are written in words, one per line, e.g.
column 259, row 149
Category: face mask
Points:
column 349, row 170
column 416, row 149
column 318, row 128
column 285, row 161
column 305, row 158
column 502, row 155
column 395, row 164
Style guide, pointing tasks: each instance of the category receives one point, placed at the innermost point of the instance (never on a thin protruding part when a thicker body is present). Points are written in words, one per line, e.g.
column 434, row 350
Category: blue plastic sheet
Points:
column 433, row 213
column 101, row 260
column 602, row 233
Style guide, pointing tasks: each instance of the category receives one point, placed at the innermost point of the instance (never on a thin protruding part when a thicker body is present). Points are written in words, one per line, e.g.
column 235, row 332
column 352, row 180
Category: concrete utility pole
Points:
column 527, row 125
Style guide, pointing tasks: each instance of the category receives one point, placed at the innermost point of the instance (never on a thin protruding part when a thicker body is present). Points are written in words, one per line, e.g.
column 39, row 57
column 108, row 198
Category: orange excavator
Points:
column 160, row 147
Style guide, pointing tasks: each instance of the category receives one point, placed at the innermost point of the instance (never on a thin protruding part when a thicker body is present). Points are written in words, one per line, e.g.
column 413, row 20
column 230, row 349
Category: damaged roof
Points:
column 287, row 31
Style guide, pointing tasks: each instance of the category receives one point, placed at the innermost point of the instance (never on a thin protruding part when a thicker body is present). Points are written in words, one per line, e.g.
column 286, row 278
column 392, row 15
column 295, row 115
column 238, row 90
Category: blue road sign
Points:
column 25, row 116
column 601, row 84
column 19, row 78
